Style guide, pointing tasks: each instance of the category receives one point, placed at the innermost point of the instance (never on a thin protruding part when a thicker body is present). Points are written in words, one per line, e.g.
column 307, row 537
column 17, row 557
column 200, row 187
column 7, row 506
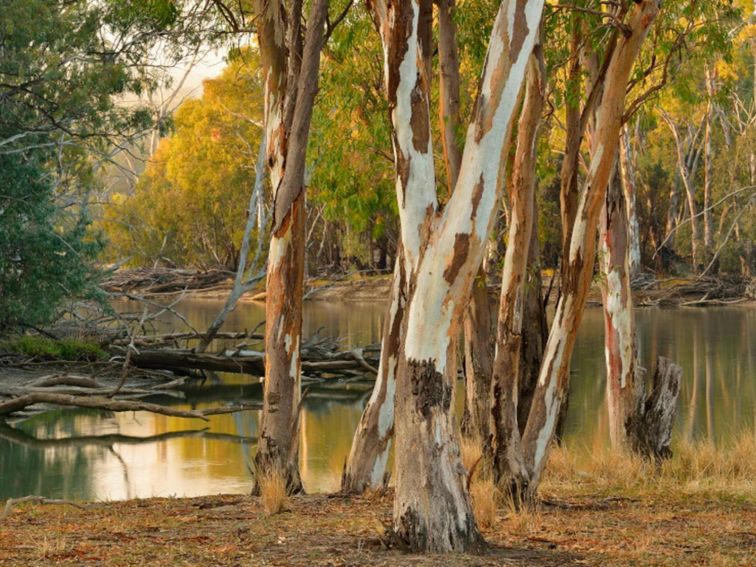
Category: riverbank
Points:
column 700, row 510
column 648, row 290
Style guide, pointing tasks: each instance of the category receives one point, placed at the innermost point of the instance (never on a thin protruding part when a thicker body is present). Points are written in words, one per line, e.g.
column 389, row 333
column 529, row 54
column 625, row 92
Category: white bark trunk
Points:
column 432, row 510
column 554, row 376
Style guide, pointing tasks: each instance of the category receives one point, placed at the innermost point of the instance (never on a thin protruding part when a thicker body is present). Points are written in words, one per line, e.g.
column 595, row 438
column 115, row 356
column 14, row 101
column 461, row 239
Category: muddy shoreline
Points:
column 648, row 291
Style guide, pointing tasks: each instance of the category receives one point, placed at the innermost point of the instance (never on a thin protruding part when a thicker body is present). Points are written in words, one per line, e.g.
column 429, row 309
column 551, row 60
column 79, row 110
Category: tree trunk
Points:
column 443, row 251
column 479, row 354
column 568, row 192
column 651, row 430
column 508, row 465
column 708, row 220
column 629, row 189
column 289, row 97
column 478, row 326
column 624, row 386
column 366, row 465
column 578, row 266
column 535, row 329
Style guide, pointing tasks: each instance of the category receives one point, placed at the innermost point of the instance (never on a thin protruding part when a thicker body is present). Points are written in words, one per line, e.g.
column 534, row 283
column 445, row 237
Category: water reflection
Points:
column 132, row 455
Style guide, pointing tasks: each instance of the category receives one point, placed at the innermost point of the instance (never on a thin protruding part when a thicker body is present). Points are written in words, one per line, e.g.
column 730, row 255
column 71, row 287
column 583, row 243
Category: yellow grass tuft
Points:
column 483, row 494
column 471, row 453
column 482, row 488
column 694, row 467
column 273, row 491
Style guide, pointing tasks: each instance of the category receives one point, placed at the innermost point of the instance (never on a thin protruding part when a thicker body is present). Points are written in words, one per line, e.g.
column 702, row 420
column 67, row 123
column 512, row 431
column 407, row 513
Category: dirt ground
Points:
column 332, row 530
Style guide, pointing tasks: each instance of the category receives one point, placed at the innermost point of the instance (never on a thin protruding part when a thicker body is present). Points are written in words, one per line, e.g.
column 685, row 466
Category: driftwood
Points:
column 186, row 336
column 96, row 402
column 152, row 281
column 317, row 358
column 651, row 429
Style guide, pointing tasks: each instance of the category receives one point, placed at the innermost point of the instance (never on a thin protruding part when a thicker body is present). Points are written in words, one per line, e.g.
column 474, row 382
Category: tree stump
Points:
column 651, row 430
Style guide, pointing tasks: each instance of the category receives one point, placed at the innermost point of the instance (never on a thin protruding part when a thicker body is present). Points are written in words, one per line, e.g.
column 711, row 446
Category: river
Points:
column 89, row 455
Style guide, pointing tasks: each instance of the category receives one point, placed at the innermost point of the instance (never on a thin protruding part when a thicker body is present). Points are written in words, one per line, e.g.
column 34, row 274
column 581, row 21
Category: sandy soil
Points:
column 323, row 530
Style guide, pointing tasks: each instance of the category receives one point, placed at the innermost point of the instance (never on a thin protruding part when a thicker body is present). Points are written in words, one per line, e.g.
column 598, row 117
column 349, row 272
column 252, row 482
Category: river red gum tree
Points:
column 578, row 264
column 506, row 452
column 290, row 62
column 442, row 253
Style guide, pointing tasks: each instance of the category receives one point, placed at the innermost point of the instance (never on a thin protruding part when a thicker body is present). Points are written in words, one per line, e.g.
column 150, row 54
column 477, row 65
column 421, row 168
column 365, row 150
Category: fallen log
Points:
column 251, row 362
column 22, row 402
column 153, row 281
column 186, row 336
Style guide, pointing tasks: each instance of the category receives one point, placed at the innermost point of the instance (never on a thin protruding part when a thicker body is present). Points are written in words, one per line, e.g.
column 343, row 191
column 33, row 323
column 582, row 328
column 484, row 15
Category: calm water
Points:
column 96, row 456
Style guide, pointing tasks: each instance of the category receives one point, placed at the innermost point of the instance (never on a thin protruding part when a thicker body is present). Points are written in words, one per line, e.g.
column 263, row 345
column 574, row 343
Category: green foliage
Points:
column 42, row 261
column 350, row 146
column 50, row 349
column 63, row 66
column 189, row 205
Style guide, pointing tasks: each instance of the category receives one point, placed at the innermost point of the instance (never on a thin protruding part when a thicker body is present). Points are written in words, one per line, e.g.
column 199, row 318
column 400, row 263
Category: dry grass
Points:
column 694, row 468
column 471, row 453
column 273, row 491
column 483, row 492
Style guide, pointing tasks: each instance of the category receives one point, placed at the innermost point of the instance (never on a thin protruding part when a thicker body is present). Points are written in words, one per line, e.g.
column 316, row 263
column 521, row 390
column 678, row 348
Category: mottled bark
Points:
column 479, row 354
column 624, row 384
column 366, row 465
column 629, row 189
column 432, row 510
column 278, row 440
column 651, row 428
column 290, row 89
column 578, row 265
column 568, row 192
column 506, row 452
column 478, row 327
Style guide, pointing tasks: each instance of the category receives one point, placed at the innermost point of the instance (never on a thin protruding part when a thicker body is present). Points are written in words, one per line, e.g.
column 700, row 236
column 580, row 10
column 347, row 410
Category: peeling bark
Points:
column 478, row 326
column 289, row 97
column 366, row 465
column 629, row 189
column 578, row 265
column 506, row 452
column 568, row 192
column 624, row 383
column 651, row 430
column 432, row 509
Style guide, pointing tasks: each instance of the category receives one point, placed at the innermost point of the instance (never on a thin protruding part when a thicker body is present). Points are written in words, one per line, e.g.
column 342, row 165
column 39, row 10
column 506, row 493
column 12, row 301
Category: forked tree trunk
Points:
column 432, row 510
column 366, row 465
column 624, row 383
column 506, row 453
column 578, row 265
column 291, row 79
